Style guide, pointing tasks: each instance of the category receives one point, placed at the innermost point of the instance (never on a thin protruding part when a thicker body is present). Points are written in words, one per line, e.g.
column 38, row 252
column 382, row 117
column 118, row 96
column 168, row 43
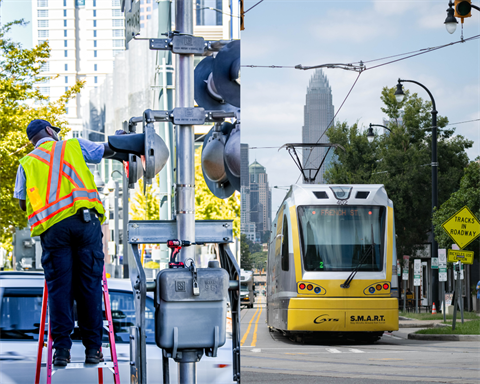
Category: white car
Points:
column 21, row 303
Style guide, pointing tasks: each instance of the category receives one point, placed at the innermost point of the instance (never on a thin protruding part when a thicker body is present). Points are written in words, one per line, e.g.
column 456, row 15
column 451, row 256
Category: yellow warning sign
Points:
column 466, row 257
column 463, row 227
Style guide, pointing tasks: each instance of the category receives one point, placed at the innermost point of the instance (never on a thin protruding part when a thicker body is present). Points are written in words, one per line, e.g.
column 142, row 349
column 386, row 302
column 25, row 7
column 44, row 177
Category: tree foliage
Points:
column 245, row 256
column 21, row 102
column 210, row 207
column 467, row 195
column 401, row 161
column 145, row 206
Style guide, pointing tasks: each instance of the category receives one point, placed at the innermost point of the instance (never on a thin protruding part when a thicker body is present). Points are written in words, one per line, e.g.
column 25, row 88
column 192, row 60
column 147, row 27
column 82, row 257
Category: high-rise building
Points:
column 84, row 37
column 260, row 200
column 245, row 192
column 318, row 116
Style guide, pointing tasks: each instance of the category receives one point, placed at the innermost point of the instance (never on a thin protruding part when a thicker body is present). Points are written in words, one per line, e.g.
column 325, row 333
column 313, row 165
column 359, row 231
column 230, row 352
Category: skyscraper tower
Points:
column 318, row 116
column 260, row 200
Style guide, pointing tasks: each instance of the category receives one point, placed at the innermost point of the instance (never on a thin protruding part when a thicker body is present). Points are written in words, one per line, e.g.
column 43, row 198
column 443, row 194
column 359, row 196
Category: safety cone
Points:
column 434, row 310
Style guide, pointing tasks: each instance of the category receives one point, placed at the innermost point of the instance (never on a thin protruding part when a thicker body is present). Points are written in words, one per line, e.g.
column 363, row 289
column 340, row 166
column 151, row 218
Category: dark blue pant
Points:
column 73, row 261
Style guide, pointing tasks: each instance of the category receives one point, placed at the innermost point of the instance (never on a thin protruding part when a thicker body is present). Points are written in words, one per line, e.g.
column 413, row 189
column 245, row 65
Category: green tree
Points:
column 210, row 207
column 467, row 195
column 401, row 161
column 145, row 206
column 245, row 256
column 21, row 102
column 259, row 260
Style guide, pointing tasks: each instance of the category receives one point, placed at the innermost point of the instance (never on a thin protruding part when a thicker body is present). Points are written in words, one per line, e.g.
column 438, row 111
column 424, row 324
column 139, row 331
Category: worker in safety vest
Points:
column 56, row 188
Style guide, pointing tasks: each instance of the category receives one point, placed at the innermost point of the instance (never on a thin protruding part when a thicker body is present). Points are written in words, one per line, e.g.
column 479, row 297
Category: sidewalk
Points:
column 408, row 327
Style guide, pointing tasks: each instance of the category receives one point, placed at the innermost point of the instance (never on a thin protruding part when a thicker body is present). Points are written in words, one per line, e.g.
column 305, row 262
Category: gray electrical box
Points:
column 27, row 251
column 184, row 320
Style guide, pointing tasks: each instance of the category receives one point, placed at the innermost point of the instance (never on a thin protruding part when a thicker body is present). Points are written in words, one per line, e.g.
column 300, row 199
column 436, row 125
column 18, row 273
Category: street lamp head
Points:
column 451, row 22
column 399, row 95
column 98, row 180
column 110, row 185
column 370, row 134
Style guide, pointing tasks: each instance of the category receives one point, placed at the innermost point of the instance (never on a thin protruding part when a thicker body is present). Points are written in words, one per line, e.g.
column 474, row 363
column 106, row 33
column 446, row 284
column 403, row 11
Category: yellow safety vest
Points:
column 59, row 183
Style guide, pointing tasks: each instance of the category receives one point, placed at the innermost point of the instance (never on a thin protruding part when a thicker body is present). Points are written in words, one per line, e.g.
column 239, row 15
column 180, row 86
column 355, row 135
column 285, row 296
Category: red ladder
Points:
column 112, row 365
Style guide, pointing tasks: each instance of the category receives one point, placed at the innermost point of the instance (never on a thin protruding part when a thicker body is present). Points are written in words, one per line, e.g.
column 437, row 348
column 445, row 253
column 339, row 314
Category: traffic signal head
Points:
column 463, row 8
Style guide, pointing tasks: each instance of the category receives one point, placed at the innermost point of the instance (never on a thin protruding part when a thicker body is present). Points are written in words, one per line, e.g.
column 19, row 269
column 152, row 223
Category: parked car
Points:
column 20, row 308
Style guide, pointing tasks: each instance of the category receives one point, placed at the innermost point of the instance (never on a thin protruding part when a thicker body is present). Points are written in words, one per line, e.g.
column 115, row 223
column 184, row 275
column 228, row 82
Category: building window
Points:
column 42, row 3
column 94, row 23
column 95, row 33
column 95, row 79
column 65, row 33
column 142, row 17
column 66, row 67
column 115, row 3
column 66, row 79
column 44, row 90
column 205, row 15
column 65, row 43
column 66, row 89
column 116, row 12
column 149, row 9
column 149, row 1
column 64, row 3
column 45, row 67
column 117, row 32
column 42, row 23
column 95, row 43
column 66, row 110
column 66, row 53
column 42, row 33
column 95, row 67
column 42, row 13
column 64, row 13
column 94, row 3
column 64, row 23
column 149, row 17
column 94, row 13
column 118, row 43
column 75, row 134
column 95, row 53
column 117, row 23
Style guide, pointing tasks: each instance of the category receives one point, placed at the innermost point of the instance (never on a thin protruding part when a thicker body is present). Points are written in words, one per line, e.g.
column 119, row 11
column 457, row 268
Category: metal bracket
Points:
column 186, row 44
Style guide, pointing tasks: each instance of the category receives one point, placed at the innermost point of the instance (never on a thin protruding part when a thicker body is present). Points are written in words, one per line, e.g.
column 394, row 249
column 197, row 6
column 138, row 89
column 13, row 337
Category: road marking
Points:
column 392, row 336
column 387, row 358
column 254, row 337
column 356, row 350
column 248, row 328
column 256, row 350
column 333, row 350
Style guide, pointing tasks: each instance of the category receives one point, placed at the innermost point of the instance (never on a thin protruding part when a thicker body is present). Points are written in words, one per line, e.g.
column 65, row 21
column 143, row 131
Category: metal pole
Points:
column 460, row 286
column 187, row 373
column 404, row 295
column 185, row 185
column 444, row 303
column 416, row 299
column 117, row 223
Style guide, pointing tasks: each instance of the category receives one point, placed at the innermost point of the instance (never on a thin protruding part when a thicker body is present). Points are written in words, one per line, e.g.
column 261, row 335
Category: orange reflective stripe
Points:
column 55, row 177
column 47, row 199
column 60, row 168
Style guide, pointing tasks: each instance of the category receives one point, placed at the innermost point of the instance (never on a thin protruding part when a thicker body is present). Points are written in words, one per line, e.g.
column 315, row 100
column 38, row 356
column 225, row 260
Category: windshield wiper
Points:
column 346, row 283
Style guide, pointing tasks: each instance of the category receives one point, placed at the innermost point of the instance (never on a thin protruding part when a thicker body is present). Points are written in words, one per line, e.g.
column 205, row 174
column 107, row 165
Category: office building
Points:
column 318, row 116
column 260, row 201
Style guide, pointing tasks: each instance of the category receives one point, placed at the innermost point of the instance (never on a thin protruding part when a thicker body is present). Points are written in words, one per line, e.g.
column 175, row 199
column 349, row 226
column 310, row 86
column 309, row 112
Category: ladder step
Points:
column 78, row 365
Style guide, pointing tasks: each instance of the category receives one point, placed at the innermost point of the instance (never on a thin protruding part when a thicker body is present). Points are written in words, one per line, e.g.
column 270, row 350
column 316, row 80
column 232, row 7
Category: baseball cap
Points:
column 39, row 125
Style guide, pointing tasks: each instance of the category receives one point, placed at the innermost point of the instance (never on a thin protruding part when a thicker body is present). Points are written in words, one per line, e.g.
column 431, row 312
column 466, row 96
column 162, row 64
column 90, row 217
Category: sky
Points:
column 287, row 33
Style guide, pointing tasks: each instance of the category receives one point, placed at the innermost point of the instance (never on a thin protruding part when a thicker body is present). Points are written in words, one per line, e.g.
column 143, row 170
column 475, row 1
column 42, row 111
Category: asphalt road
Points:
column 269, row 357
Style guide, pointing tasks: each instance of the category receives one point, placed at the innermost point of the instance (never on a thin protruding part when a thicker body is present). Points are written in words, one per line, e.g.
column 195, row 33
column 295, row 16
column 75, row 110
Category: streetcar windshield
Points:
column 335, row 238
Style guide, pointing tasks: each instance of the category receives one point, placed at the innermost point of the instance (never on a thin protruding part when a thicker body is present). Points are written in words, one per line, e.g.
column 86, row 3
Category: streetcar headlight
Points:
column 317, row 289
column 371, row 290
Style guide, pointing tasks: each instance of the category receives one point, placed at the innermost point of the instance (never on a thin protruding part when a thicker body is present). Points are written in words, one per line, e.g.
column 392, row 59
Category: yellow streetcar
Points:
column 332, row 262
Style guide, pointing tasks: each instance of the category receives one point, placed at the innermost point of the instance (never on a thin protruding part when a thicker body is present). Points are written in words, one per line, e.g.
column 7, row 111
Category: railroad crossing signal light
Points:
column 217, row 80
column 148, row 146
column 221, row 159
column 463, row 8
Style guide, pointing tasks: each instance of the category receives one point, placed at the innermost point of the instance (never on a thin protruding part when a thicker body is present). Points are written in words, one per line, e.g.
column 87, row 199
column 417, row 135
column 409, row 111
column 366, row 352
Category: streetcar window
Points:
column 285, row 256
column 337, row 238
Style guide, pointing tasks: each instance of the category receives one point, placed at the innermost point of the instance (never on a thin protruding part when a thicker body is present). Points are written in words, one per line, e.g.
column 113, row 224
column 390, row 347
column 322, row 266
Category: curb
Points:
column 416, row 336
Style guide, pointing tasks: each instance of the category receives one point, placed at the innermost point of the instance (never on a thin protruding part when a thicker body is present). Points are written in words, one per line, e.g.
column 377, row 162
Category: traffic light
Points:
column 217, row 80
column 463, row 8
column 221, row 159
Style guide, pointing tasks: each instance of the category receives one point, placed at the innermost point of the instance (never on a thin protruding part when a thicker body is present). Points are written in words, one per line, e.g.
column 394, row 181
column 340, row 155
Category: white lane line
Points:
column 392, row 336
column 356, row 350
column 333, row 350
column 256, row 350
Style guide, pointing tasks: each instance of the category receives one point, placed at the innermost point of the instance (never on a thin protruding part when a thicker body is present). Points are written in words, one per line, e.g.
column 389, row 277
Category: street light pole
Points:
column 371, row 135
column 434, row 165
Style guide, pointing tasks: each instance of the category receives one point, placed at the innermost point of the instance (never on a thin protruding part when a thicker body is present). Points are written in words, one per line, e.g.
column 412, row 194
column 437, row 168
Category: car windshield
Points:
column 244, row 287
column 335, row 238
column 21, row 310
